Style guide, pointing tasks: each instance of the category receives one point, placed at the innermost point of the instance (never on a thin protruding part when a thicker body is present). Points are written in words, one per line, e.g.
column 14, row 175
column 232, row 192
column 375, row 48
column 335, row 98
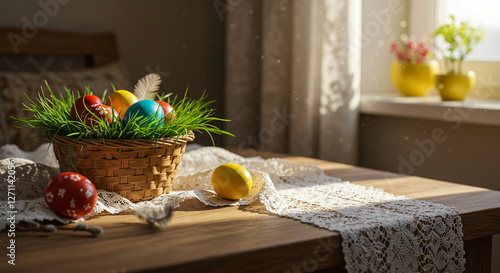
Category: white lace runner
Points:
column 381, row 232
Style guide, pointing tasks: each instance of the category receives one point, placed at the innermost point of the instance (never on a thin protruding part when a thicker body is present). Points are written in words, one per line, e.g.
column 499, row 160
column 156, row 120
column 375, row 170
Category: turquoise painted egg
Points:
column 143, row 114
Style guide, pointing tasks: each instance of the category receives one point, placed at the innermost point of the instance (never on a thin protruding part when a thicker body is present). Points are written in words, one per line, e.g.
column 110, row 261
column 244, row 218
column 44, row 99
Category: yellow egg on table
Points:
column 121, row 100
column 231, row 181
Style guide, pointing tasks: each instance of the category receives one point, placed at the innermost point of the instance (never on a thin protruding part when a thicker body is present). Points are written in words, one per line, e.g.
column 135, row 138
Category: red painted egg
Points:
column 70, row 195
column 98, row 112
column 80, row 104
column 167, row 109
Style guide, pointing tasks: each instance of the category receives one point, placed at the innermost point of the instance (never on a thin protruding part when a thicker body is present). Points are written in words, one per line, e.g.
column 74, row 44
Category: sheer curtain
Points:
column 292, row 77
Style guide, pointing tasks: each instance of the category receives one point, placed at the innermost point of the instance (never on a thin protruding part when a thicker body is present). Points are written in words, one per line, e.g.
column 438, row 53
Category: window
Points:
column 480, row 13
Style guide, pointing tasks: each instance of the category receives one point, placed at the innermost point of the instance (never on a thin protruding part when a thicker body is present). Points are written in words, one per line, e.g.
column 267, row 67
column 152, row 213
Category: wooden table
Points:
column 234, row 239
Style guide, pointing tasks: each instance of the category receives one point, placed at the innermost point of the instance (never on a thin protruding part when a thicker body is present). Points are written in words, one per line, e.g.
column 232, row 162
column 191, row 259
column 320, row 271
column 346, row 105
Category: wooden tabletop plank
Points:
column 227, row 239
column 196, row 235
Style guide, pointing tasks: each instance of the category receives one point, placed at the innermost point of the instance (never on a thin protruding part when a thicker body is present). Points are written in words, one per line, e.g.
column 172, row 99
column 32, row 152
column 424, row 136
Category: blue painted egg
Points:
column 143, row 114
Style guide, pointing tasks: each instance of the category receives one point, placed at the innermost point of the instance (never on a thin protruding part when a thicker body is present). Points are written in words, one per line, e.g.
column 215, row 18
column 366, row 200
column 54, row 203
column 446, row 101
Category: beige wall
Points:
column 465, row 153
column 381, row 24
column 183, row 38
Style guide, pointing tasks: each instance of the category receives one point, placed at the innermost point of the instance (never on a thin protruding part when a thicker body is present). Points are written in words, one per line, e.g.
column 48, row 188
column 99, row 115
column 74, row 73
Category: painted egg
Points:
column 143, row 114
column 98, row 112
column 167, row 109
column 80, row 104
column 231, row 181
column 70, row 195
column 121, row 100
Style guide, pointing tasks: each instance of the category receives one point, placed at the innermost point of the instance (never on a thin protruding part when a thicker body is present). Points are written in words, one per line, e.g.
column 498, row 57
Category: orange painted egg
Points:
column 121, row 100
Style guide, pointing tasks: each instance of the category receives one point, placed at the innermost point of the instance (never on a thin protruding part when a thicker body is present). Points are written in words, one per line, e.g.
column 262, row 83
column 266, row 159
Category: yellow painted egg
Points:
column 231, row 181
column 121, row 100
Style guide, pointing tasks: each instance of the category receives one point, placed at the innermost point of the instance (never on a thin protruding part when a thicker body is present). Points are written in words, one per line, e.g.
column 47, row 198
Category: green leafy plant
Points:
column 51, row 114
column 459, row 41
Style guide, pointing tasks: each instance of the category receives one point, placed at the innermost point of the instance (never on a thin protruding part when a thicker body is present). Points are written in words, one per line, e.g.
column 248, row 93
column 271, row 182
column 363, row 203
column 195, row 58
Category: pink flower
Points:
column 410, row 51
column 410, row 45
column 400, row 55
column 394, row 46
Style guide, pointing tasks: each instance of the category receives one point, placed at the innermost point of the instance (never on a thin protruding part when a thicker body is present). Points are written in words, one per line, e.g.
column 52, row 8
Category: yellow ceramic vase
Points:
column 455, row 86
column 414, row 80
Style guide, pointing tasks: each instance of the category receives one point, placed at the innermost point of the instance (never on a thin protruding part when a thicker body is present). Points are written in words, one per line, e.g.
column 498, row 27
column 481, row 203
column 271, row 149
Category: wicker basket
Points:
column 136, row 169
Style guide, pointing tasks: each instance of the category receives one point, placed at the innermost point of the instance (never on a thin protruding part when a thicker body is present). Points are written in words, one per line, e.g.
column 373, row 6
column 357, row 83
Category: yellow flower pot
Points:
column 414, row 79
column 455, row 86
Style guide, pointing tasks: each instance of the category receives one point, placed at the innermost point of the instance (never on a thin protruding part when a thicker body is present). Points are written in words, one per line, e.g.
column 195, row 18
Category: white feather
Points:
column 154, row 215
column 147, row 87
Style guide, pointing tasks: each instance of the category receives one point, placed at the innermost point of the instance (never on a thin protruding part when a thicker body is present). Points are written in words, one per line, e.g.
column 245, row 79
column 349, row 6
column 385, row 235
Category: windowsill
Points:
column 471, row 111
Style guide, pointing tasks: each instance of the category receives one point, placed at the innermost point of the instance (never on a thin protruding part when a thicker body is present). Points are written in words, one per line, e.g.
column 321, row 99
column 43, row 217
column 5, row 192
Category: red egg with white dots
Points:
column 98, row 112
column 70, row 195
column 83, row 103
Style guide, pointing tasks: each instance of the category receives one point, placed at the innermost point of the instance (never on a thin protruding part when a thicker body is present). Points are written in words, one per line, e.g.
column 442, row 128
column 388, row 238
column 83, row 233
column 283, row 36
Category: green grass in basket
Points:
column 52, row 114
